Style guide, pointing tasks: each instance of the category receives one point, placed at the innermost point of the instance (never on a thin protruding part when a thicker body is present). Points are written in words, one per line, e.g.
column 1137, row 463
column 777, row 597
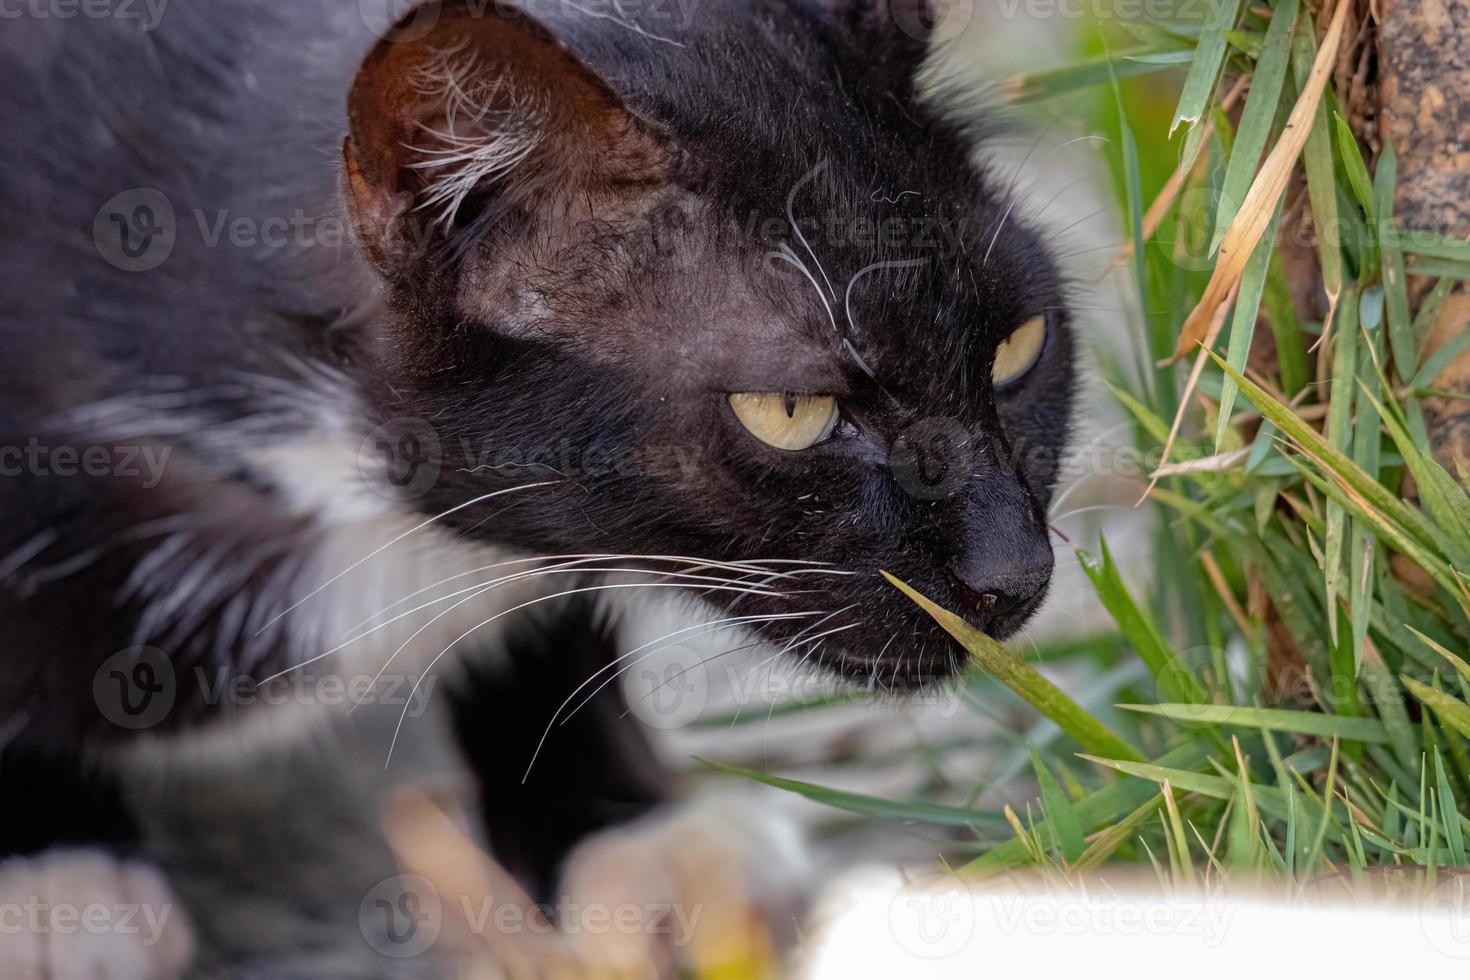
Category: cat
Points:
column 343, row 344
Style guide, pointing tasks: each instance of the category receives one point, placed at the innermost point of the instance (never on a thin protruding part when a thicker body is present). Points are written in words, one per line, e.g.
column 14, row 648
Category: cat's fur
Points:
column 570, row 237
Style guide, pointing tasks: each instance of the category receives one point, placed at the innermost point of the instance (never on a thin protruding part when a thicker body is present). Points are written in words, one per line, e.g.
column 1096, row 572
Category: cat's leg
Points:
column 631, row 876
column 89, row 915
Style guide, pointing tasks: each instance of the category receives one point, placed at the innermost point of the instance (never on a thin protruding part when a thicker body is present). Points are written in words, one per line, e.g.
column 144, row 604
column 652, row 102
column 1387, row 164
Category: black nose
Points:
column 993, row 588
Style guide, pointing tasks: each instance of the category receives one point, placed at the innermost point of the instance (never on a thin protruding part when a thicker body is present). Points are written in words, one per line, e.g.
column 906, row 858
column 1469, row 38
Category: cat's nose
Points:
column 991, row 589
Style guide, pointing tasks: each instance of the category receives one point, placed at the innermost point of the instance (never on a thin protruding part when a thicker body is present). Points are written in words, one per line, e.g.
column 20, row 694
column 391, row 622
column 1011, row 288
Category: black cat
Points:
column 572, row 300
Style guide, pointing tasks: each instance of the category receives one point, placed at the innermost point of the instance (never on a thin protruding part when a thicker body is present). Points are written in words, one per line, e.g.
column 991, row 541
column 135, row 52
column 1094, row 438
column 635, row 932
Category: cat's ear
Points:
column 483, row 114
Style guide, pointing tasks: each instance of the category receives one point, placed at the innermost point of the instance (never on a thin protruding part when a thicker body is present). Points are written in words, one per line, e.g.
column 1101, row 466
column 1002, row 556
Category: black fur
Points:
column 593, row 772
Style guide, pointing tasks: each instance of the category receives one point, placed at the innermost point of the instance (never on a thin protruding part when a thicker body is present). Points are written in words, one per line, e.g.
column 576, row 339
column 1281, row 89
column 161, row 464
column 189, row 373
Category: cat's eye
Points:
column 1019, row 352
column 786, row 421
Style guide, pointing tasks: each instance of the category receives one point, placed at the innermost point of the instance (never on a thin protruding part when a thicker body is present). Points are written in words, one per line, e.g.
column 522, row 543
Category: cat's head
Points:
column 715, row 283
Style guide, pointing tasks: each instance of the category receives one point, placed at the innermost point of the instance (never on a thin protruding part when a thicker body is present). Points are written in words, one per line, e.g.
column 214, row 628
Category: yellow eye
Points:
column 786, row 421
column 1018, row 352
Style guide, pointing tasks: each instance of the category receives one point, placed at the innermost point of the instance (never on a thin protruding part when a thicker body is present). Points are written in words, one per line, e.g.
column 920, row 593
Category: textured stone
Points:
column 1424, row 93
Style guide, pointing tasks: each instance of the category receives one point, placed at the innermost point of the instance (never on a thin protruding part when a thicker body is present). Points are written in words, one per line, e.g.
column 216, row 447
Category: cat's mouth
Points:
column 863, row 629
column 924, row 655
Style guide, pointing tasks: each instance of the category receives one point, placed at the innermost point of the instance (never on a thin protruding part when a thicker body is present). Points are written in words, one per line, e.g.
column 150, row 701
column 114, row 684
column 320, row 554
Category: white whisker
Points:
column 1014, row 198
column 791, row 217
column 380, row 549
column 552, row 721
column 477, row 591
column 785, row 254
column 516, row 608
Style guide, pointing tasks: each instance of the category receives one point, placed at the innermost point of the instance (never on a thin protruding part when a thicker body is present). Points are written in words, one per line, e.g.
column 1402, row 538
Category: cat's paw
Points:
column 712, row 887
column 86, row 915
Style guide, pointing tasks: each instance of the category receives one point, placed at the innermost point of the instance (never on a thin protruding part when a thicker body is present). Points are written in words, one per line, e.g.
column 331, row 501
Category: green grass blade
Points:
column 1395, row 288
column 1101, row 807
column 870, row 806
column 1271, row 719
column 1060, row 816
column 1335, row 462
column 1174, row 678
column 1035, row 86
column 1256, row 119
column 1454, row 833
column 1440, row 359
column 1352, row 162
column 1026, row 681
column 1340, row 435
column 1450, row 710
column 1204, row 68
column 1243, row 320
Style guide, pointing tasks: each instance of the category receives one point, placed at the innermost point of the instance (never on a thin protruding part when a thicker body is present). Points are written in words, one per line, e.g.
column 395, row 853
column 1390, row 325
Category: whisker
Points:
column 797, row 641
column 1094, row 507
column 481, row 588
column 379, row 550
column 705, row 662
column 791, row 217
column 516, row 608
column 666, row 636
column 785, row 254
column 1014, row 198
